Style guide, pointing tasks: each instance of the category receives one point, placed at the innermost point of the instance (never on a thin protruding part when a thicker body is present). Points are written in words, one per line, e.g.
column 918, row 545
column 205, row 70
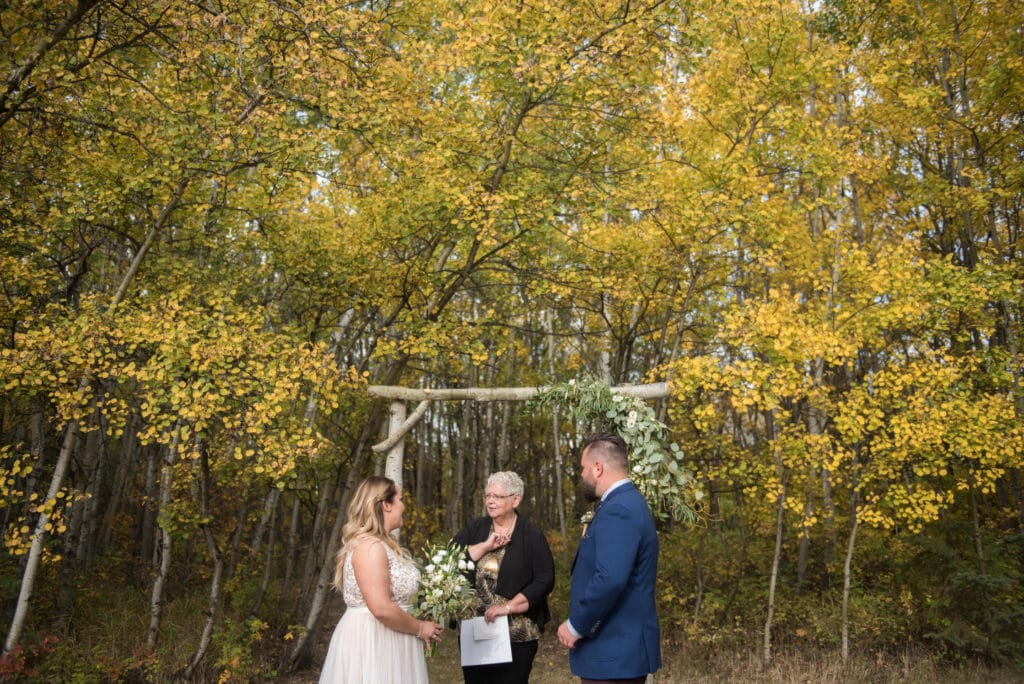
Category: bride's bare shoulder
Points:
column 368, row 549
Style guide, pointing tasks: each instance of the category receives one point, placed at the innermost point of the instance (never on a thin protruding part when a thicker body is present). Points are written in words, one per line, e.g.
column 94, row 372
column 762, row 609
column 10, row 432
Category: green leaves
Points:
column 655, row 466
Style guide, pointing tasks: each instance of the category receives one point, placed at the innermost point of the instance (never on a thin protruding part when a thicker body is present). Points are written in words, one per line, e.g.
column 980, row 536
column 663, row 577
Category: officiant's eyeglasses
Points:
column 497, row 497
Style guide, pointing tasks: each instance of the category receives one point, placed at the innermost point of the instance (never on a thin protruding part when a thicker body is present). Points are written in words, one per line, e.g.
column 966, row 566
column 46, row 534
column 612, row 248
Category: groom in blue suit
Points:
column 612, row 632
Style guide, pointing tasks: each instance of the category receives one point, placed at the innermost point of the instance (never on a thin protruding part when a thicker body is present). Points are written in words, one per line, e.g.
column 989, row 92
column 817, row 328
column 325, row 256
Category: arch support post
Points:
column 396, row 454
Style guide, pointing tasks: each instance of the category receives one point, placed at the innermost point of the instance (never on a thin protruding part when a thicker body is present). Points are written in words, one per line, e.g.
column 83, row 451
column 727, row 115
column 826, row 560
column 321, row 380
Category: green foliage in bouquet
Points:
column 445, row 591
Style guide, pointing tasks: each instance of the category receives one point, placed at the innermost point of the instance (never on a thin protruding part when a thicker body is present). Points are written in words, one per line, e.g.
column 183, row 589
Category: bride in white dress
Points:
column 377, row 641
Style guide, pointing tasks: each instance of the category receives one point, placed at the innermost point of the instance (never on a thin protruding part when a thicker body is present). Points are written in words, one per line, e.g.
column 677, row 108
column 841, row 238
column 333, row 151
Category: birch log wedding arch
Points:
column 656, row 464
column 399, row 423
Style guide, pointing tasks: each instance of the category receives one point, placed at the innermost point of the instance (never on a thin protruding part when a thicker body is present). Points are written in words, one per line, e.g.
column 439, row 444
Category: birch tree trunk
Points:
column 490, row 444
column 502, row 458
column 147, row 543
column 293, row 540
column 213, row 602
column 425, row 445
column 125, row 465
column 315, row 543
column 156, row 601
column 777, row 555
column 269, row 506
column 75, row 529
column 459, row 465
column 268, row 562
column 36, row 550
column 847, row 572
column 555, row 438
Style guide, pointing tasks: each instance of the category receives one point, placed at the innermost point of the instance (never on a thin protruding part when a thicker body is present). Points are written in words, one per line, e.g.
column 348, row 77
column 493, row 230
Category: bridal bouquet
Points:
column 445, row 592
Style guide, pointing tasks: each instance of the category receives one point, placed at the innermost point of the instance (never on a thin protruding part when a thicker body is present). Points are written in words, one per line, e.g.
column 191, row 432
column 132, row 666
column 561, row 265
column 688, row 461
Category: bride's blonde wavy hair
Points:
column 366, row 520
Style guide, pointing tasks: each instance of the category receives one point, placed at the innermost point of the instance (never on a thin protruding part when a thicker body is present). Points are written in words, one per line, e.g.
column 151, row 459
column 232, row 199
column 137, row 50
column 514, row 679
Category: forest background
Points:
column 222, row 221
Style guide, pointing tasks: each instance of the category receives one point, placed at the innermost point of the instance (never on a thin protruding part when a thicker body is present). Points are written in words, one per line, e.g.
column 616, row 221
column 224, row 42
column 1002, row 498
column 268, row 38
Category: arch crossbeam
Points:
column 654, row 390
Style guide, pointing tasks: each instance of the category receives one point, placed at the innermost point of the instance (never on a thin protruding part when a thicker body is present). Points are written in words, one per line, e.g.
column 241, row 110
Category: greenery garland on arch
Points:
column 656, row 465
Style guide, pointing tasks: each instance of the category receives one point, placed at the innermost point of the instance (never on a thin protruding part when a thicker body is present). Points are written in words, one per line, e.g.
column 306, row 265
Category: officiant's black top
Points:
column 527, row 567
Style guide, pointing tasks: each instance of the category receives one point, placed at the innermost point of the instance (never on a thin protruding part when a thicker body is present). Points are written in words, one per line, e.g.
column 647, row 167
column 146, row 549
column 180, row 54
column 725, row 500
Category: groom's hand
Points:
column 567, row 638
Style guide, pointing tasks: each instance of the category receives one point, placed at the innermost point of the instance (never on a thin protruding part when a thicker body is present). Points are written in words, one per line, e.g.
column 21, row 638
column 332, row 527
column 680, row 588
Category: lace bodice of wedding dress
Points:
column 405, row 579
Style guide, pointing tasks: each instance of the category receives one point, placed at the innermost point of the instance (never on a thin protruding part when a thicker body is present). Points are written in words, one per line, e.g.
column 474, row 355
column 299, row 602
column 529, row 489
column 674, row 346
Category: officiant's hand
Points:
column 495, row 612
column 496, row 541
column 493, row 542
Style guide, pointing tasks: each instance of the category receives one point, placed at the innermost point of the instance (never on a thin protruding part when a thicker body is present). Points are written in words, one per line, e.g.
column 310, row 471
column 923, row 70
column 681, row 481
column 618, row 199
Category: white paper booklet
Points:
column 485, row 644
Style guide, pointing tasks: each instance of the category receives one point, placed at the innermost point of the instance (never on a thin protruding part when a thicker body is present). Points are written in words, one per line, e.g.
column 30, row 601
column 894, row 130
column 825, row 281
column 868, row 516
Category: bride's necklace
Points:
column 507, row 532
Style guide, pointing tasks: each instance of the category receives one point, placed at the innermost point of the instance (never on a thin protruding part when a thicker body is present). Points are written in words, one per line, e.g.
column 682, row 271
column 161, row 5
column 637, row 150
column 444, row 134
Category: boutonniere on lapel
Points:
column 585, row 520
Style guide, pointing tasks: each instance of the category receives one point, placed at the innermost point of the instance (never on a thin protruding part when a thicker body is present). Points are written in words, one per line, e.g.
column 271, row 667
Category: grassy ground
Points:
column 682, row 666
column 104, row 644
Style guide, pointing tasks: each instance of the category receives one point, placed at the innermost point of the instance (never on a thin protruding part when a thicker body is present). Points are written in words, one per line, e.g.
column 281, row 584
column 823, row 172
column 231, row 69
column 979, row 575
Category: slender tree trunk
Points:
column 450, row 464
column 380, row 458
column 147, row 542
column 69, row 567
column 293, row 540
column 742, row 527
column 38, row 452
column 424, row 446
column 556, row 450
column 156, row 601
column 125, row 465
column 231, row 562
column 269, row 507
column 485, row 437
column 803, row 551
column 213, row 602
column 87, row 543
column 309, row 570
column 393, row 466
column 848, row 572
column 776, row 556
column 324, row 580
column 36, row 550
column 268, row 563
column 459, row 466
column 491, row 443
column 830, row 519
column 698, row 565
column 979, row 546
column 75, row 527
column 503, row 458
column 211, row 613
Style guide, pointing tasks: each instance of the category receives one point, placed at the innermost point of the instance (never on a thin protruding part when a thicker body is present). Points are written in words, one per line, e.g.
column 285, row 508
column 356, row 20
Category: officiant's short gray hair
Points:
column 509, row 481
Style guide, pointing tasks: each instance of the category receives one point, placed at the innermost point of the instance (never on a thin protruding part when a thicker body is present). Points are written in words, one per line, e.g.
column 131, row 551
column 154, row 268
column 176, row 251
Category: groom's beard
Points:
column 588, row 491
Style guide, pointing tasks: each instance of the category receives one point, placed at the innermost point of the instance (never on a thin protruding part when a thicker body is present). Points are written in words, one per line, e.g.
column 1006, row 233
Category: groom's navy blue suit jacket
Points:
column 611, row 600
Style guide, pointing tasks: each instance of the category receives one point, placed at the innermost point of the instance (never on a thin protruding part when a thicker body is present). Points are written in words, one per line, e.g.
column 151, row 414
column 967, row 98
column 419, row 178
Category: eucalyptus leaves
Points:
column 445, row 591
column 656, row 465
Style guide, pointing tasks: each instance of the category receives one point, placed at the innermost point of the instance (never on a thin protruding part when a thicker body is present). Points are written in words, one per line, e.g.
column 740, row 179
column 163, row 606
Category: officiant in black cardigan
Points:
column 513, row 574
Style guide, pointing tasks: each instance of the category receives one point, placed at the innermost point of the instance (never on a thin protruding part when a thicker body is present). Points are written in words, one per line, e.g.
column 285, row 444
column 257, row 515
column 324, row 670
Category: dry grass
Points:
column 106, row 640
column 726, row 666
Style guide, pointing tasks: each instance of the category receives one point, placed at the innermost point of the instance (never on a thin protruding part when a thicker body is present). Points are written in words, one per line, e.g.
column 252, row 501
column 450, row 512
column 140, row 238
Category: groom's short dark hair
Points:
column 609, row 448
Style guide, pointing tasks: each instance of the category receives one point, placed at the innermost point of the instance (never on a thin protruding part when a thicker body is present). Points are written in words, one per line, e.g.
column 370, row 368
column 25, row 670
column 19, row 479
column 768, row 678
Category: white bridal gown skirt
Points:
column 363, row 651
